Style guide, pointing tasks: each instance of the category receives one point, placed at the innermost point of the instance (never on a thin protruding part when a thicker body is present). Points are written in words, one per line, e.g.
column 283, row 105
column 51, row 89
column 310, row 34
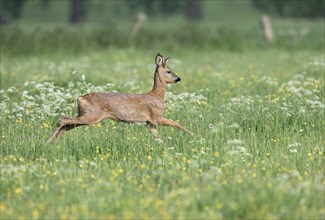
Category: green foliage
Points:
column 292, row 8
column 71, row 39
column 12, row 8
column 75, row 39
column 154, row 7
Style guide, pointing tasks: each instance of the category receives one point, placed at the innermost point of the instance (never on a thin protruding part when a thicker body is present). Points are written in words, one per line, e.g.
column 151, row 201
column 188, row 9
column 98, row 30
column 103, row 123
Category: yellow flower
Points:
column 42, row 186
column 36, row 213
column 219, row 205
column 234, row 206
column 18, row 191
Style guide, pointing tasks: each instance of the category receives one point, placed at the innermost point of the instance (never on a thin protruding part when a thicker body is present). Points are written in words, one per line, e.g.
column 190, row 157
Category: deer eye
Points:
column 169, row 72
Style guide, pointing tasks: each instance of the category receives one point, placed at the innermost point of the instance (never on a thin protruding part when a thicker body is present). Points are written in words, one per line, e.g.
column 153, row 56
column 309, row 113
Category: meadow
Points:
column 257, row 112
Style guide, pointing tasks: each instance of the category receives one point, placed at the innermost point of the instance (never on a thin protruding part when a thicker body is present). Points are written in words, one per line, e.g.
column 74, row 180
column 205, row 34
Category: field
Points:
column 257, row 115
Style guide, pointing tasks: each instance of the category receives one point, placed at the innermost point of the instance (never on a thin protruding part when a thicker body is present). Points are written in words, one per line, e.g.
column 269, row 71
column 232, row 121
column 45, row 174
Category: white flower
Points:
column 234, row 125
column 235, row 142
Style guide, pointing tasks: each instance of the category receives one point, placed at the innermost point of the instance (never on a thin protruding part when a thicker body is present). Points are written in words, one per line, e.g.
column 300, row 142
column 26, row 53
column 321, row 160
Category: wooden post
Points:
column 139, row 19
column 266, row 28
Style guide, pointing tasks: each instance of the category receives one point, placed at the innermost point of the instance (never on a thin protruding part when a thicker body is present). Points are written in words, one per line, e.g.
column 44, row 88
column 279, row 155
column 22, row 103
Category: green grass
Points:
column 258, row 149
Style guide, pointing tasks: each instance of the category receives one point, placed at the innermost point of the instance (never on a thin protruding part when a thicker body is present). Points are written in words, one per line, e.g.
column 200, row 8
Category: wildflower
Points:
column 36, row 214
column 219, row 205
column 234, row 206
column 235, row 142
column 18, row 191
column 234, row 125
column 242, row 151
column 294, row 145
column 158, row 140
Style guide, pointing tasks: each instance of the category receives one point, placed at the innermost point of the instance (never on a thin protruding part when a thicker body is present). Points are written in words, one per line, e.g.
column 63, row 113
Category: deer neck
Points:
column 159, row 88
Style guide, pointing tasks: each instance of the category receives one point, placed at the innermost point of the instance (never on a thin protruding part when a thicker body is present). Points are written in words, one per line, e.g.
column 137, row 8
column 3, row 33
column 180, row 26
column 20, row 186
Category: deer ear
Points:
column 159, row 60
column 166, row 60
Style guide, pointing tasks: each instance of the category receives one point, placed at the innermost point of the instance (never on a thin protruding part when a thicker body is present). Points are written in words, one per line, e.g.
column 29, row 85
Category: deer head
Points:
column 164, row 73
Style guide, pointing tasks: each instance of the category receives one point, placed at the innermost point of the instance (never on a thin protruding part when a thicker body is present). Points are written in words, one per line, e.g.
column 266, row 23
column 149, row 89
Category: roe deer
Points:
column 147, row 108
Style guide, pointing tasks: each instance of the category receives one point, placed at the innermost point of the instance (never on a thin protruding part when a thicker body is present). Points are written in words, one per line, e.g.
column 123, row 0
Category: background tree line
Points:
column 191, row 9
column 12, row 9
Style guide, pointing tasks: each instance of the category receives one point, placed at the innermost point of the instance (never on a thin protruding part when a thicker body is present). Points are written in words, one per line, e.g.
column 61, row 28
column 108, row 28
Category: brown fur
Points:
column 147, row 108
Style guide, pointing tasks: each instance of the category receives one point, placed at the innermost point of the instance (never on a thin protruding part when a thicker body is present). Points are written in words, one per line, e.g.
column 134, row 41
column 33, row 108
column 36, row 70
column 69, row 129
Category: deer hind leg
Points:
column 68, row 123
column 65, row 129
column 168, row 122
column 59, row 125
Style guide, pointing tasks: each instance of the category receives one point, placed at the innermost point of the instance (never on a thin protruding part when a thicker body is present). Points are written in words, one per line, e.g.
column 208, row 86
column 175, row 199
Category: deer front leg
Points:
column 153, row 129
column 168, row 122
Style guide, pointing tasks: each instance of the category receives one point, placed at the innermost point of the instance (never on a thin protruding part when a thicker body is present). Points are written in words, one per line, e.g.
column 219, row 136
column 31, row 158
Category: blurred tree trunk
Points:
column 193, row 10
column 78, row 11
column 2, row 19
column 10, row 10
